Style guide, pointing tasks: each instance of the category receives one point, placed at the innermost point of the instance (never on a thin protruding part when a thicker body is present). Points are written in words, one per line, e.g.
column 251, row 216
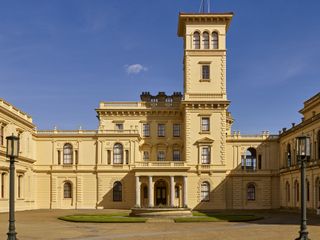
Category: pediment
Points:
column 204, row 140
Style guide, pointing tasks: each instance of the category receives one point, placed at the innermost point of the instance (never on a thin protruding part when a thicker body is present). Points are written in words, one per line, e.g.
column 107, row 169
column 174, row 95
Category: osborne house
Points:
column 175, row 150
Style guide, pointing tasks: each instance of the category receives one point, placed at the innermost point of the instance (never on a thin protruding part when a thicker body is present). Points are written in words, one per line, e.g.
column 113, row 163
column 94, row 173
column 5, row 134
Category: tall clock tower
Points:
column 205, row 95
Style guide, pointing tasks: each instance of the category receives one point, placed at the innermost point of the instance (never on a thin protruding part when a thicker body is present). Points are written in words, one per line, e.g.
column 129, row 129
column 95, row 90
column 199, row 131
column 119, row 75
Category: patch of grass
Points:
column 211, row 217
column 103, row 218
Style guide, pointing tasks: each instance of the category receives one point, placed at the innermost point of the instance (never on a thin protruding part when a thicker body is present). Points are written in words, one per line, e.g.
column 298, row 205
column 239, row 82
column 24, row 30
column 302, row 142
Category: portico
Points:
column 156, row 189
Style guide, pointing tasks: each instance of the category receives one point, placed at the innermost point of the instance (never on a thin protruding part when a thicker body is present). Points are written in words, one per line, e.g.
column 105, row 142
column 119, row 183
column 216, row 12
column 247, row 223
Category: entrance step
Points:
column 160, row 220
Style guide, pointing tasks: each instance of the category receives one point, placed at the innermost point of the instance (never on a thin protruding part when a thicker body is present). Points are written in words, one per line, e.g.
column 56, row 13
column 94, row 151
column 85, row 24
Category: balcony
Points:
column 167, row 165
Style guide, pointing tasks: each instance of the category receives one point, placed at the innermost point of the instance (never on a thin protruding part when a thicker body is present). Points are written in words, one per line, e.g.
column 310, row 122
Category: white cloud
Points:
column 135, row 68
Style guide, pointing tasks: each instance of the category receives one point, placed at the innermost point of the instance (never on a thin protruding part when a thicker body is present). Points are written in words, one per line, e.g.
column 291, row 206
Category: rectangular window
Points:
column 19, row 186
column 59, row 157
column 205, row 72
column 127, row 156
column 145, row 155
column 176, row 130
column 146, row 130
column 2, row 184
column 205, row 155
column 161, row 155
column 1, row 135
column 161, row 130
column 109, row 156
column 205, row 124
column 76, row 156
column 119, row 126
column 176, row 155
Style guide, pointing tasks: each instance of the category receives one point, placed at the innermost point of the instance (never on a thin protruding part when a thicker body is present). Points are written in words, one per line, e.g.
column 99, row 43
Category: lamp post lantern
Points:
column 12, row 153
column 303, row 152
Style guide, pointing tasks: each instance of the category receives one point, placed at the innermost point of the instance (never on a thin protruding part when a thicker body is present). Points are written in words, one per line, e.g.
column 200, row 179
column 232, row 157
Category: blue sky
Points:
column 59, row 58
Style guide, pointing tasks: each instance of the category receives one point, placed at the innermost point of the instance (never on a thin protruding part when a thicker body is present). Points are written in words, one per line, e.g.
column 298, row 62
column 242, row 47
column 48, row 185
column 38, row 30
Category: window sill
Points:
column 204, row 132
column 205, row 80
column 67, row 165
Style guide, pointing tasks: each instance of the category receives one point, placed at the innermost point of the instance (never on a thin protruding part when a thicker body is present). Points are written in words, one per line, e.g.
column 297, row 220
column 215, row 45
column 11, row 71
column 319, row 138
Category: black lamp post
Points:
column 12, row 153
column 303, row 152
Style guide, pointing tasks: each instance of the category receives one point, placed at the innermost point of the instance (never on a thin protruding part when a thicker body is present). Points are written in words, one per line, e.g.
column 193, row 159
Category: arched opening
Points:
column 205, row 39
column 287, row 193
column 161, row 192
column 251, row 159
column 118, row 153
column 117, row 191
column 67, row 154
column 215, row 40
column 178, row 195
column 318, row 140
column 288, row 155
column 317, row 193
column 308, row 190
column 296, row 193
column 196, row 40
column 205, row 192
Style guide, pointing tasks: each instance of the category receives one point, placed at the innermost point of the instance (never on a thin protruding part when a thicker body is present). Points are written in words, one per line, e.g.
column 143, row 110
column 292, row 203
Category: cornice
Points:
column 300, row 126
column 17, row 118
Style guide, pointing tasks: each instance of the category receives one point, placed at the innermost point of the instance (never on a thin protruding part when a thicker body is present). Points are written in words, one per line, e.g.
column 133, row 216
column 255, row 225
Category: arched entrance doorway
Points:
column 161, row 192
column 317, row 193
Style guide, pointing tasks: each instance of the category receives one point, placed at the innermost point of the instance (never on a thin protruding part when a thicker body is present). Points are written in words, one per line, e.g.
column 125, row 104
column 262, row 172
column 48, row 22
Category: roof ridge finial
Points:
column 203, row 6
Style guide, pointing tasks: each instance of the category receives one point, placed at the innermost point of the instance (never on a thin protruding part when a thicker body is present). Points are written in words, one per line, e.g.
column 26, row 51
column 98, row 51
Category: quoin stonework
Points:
column 175, row 150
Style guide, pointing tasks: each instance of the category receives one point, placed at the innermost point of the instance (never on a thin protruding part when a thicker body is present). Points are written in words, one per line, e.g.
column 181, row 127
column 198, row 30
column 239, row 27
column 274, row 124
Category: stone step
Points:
column 160, row 220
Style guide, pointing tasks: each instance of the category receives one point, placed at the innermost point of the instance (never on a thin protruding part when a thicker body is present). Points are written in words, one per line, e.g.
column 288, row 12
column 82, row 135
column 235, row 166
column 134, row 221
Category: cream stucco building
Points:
column 170, row 150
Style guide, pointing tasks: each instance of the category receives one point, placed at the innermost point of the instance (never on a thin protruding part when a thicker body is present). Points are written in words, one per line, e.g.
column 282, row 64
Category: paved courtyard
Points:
column 43, row 224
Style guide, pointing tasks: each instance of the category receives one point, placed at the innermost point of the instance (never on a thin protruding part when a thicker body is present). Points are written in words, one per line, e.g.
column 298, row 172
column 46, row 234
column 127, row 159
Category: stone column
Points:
column 171, row 191
column 185, row 192
column 138, row 191
column 150, row 192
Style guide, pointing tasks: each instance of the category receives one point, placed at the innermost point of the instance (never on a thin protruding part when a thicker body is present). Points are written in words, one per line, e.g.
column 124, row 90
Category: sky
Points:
column 59, row 59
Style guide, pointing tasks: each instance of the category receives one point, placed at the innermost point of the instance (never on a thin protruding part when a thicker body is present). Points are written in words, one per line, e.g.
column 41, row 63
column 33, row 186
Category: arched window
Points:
column 308, row 190
column 215, row 40
column 318, row 144
column 296, row 191
column 117, row 192
column 288, row 155
column 67, row 153
column 205, row 40
column 196, row 40
column 287, row 192
column 251, row 159
column 117, row 153
column 67, row 190
column 251, row 192
column 205, row 192
column 317, row 192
